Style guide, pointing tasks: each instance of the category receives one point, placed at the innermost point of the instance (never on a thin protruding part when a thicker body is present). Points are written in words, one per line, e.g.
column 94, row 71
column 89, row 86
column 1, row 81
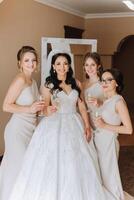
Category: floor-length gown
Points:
column 107, row 147
column 18, row 133
column 95, row 91
column 58, row 164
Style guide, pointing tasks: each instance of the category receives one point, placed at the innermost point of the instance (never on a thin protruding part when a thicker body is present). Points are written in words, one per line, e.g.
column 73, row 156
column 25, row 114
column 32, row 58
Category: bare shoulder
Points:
column 121, row 101
column 19, row 81
column 20, row 78
column 121, row 104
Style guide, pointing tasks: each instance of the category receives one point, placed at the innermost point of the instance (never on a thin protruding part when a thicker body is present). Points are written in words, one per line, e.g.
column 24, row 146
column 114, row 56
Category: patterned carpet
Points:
column 126, row 165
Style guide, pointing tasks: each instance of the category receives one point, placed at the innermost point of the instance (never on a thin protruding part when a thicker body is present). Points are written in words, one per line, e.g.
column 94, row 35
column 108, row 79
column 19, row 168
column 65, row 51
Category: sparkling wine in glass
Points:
column 40, row 98
column 96, row 114
column 88, row 97
column 56, row 100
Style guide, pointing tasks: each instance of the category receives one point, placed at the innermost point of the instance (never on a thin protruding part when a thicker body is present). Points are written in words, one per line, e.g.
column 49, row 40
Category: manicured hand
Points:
column 99, row 122
column 51, row 110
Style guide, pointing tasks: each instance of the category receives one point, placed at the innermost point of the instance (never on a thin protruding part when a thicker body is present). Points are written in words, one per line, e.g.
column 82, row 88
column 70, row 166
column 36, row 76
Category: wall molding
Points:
column 63, row 7
column 109, row 15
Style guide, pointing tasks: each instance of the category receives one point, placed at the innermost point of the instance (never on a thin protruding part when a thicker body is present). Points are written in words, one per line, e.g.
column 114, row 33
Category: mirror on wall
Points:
column 77, row 48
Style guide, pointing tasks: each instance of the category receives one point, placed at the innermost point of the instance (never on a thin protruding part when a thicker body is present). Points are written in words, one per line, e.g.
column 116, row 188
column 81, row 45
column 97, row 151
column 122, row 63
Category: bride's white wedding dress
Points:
column 59, row 163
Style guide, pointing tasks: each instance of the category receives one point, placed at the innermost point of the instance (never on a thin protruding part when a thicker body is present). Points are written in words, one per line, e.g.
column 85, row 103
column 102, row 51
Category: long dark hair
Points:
column 118, row 77
column 97, row 59
column 52, row 79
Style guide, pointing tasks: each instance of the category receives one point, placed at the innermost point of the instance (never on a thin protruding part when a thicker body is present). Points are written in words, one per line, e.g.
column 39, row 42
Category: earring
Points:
column 36, row 70
column 54, row 71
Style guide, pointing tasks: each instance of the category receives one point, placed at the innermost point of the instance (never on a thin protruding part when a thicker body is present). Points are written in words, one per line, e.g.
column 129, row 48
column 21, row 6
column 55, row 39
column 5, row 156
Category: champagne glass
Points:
column 97, row 113
column 55, row 99
column 40, row 98
column 88, row 97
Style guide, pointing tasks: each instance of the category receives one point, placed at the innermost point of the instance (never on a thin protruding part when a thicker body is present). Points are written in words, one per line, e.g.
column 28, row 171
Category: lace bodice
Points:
column 67, row 102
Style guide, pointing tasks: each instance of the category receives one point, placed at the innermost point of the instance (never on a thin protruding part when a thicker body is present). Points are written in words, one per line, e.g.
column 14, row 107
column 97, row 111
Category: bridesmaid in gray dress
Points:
column 93, row 92
column 21, row 101
column 114, row 119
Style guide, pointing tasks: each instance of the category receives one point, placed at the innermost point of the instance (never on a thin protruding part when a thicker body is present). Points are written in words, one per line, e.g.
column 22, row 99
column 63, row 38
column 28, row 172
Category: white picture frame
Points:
column 61, row 43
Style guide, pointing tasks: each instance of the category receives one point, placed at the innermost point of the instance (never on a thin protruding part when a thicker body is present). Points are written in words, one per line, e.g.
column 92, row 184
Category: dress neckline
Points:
column 112, row 97
column 93, row 85
column 69, row 93
column 28, row 86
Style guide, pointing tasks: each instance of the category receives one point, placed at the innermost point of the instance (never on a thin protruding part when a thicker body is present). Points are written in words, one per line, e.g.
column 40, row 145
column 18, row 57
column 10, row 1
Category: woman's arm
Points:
column 125, row 127
column 49, row 109
column 84, row 114
column 14, row 91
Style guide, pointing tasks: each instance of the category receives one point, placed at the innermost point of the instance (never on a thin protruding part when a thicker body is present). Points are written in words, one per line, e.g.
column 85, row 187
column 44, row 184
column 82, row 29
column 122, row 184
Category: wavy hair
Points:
column 97, row 59
column 118, row 77
column 52, row 79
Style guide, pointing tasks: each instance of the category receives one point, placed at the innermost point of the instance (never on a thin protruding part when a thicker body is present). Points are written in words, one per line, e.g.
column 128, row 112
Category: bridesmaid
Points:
column 93, row 93
column 114, row 120
column 92, row 88
column 21, row 101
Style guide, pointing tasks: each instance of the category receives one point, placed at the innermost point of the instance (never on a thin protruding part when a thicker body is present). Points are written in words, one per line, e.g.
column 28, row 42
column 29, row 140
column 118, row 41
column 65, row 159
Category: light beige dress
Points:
column 106, row 144
column 107, row 147
column 18, row 133
column 95, row 91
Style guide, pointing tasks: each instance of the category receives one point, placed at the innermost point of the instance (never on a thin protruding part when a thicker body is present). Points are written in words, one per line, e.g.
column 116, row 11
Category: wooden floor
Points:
column 126, row 166
column 127, row 140
column 126, row 161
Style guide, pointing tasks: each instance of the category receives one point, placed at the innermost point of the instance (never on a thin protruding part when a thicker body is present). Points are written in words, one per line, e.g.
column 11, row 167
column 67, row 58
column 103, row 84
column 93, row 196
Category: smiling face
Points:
column 108, row 82
column 61, row 66
column 91, row 67
column 28, row 62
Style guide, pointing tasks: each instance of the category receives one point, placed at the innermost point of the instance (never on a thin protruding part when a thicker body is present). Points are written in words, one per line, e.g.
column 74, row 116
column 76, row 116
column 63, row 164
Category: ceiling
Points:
column 91, row 8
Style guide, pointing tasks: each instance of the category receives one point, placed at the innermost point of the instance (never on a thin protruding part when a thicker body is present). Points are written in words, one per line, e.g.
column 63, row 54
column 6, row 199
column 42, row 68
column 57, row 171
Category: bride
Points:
column 59, row 163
